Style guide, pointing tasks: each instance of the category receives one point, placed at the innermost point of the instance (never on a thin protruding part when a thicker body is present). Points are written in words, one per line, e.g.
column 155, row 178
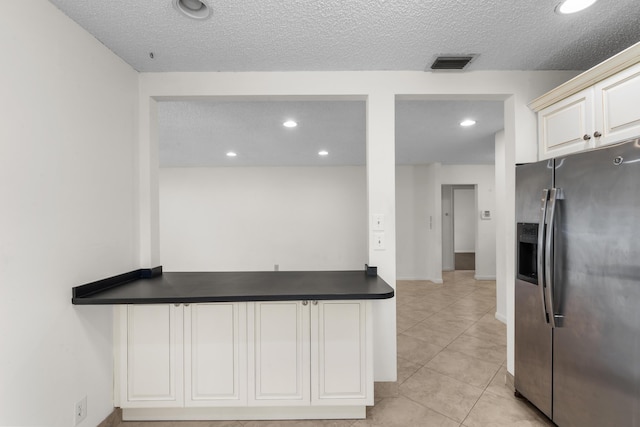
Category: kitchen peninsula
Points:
column 241, row 345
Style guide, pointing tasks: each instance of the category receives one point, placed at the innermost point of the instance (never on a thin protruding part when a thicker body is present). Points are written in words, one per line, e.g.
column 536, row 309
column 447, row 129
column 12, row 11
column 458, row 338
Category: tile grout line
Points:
column 455, row 379
column 431, row 409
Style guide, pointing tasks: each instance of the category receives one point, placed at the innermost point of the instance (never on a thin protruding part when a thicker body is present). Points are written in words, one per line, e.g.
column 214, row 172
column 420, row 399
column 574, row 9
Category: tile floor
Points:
column 451, row 365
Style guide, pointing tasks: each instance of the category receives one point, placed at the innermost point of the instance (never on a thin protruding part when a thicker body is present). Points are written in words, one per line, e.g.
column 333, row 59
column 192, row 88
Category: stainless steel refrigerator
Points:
column 577, row 291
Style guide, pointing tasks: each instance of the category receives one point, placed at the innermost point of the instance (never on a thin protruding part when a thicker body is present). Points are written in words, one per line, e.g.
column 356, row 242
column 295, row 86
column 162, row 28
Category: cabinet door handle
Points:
column 597, row 134
column 176, row 305
column 586, row 137
column 315, row 302
column 305, row 302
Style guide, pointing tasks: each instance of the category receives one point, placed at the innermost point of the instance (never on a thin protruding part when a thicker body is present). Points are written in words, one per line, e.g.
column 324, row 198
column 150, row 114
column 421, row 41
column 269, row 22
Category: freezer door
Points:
column 533, row 335
column 597, row 275
column 531, row 179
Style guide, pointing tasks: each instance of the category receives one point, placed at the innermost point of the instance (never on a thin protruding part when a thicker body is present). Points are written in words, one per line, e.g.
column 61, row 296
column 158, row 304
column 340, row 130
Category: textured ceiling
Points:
column 199, row 134
column 299, row 35
column 322, row 35
column 430, row 131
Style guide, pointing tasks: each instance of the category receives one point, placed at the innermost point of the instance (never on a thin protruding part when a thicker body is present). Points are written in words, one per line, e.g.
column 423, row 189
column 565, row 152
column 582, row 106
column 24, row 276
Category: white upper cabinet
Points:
column 618, row 97
column 566, row 126
column 596, row 108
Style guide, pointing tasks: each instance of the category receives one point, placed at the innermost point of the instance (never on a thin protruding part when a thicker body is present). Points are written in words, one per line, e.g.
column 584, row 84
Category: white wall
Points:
column 380, row 89
column 464, row 220
column 417, row 187
column 483, row 177
column 420, row 189
column 250, row 218
column 448, row 261
column 504, row 248
column 67, row 186
column 407, row 254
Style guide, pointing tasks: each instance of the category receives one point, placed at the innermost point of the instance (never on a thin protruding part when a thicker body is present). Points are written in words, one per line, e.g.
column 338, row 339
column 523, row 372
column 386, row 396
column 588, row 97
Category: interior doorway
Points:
column 459, row 227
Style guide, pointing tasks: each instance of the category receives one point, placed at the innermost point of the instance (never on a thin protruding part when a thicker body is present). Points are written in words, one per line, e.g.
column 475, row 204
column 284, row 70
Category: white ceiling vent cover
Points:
column 452, row 62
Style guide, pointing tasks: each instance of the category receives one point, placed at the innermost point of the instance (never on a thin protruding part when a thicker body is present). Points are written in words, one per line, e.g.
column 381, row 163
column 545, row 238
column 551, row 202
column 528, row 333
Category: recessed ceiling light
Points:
column 231, row 154
column 290, row 124
column 573, row 6
column 467, row 122
column 195, row 9
column 323, row 153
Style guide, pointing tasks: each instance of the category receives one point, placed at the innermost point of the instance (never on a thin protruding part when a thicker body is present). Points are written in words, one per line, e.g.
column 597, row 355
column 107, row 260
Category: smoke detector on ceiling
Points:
column 452, row 62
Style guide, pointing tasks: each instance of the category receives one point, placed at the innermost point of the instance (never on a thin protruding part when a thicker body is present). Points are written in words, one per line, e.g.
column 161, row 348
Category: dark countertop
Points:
column 155, row 287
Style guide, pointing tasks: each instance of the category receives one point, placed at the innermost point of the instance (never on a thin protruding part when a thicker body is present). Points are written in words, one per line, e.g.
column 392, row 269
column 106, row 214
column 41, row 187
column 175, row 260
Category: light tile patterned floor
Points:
column 451, row 365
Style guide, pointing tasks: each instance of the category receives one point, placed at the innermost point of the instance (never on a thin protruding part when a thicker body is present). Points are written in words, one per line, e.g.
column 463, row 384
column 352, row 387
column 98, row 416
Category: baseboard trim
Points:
column 246, row 413
column 478, row 277
column 425, row 279
column 501, row 317
column 113, row 419
column 510, row 381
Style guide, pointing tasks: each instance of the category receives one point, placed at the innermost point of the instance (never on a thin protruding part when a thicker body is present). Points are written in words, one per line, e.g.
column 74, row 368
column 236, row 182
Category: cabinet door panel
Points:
column 215, row 354
column 154, row 356
column 341, row 370
column 618, row 98
column 562, row 126
column 279, row 353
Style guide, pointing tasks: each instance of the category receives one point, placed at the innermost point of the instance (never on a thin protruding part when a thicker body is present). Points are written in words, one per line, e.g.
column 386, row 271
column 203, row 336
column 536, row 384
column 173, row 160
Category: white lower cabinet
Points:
column 150, row 356
column 215, row 355
column 200, row 361
column 341, row 353
column 310, row 353
column 176, row 356
column 279, row 338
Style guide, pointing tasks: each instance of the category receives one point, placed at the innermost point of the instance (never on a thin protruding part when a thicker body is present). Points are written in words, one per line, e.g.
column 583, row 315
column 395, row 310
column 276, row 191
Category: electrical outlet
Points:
column 80, row 410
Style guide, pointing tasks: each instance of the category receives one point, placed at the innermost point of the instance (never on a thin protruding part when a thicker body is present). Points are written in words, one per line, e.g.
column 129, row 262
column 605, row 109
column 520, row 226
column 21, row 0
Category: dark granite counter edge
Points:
column 83, row 295
column 194, row 300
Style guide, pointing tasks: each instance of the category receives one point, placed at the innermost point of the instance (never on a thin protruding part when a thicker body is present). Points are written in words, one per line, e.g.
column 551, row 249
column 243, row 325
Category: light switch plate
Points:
column 377, row 222
column 378, row 241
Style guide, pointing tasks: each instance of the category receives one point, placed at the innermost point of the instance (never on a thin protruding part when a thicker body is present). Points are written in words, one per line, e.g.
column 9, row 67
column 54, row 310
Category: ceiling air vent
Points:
column 452, row 62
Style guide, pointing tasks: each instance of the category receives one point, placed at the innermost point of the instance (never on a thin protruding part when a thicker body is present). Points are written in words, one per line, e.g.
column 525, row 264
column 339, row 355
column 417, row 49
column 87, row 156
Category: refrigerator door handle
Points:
column 554, row 195
column 541, row 252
